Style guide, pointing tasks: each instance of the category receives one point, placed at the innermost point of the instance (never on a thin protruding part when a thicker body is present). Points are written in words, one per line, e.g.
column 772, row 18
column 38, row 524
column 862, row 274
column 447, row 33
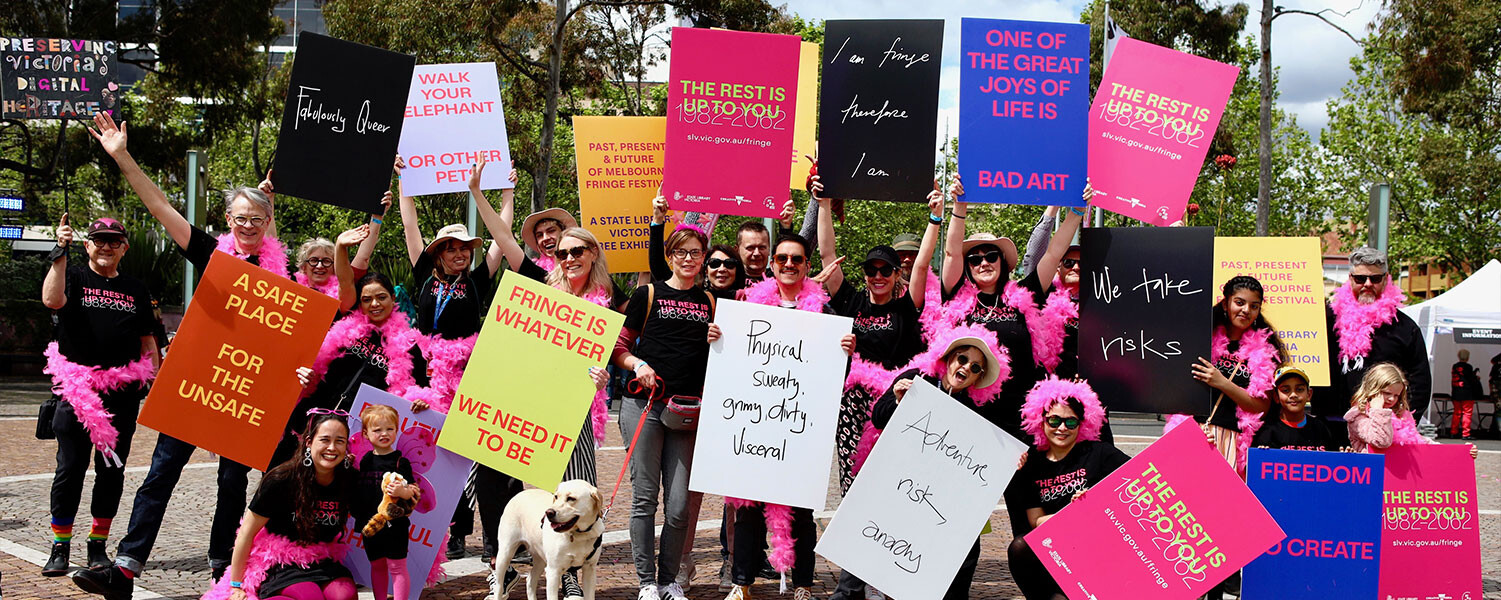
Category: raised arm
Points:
column 342, row 269
column 656, row 255
column 497, row 223
column 54, row 285
column 410, row 228
column 826, row 245
column 112, row 139
column 367, row 247
column 918, row 287
column 1048, row 263
column 1038, row 243
column 953, row 245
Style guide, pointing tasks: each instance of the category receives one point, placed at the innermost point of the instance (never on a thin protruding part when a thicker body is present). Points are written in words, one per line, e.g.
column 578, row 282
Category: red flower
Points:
column 1225, row 161
column 1193, row 207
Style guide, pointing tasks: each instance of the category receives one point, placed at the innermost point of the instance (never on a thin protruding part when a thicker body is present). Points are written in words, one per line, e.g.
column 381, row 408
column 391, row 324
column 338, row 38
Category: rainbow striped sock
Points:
column 62, row 530
column 100, row 530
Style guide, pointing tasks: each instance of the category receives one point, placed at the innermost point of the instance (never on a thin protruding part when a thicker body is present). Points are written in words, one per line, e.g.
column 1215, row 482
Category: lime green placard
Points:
column 527, row 390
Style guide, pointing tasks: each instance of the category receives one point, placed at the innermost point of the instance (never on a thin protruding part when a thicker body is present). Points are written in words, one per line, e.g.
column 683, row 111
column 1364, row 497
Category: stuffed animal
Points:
column 391, row 507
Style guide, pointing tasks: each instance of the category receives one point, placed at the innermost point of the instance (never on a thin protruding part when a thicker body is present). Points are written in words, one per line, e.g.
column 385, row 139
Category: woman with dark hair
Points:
column 724, row 274
column 287, row 547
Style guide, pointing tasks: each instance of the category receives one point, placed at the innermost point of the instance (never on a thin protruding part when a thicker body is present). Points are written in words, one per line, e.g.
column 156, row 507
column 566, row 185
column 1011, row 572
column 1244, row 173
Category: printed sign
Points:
column 1291, row 272
column 805, row 117
column 1322, row 557
column 54, row 78
column 878, row 125
column 496, row 419
column 439, row 473
column 342, row 122
column 936, row 473
column 229, row 382
column 1172, row 522
column 1023, row 111
column 1430, row 536
column 1144, row 316
column 619, row 169
column 771, row 399
column 1150, row 126
column 730, row 100
column 453, row 118
column 1471, row 335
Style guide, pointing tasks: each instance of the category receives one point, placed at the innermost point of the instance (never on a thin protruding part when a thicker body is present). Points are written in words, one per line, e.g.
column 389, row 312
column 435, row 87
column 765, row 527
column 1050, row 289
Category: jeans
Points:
column 74, row 448
column 167, row 461
column 750, row 545
column 659, row 465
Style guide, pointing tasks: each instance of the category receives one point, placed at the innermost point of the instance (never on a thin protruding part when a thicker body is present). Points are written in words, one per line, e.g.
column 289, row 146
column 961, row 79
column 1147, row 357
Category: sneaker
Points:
column 455, row 548
column 768, row 571
column 523, row 556
column 739, row 592
column 873, row 594
column 98, row 558
column 217, row 573
column 649, row 592
column 802, row 593
column 110, row 583
column 685, row 575
column 673, row 591
column 570, row 586
column 724, row 577
column 57, row 564
column 504, row 590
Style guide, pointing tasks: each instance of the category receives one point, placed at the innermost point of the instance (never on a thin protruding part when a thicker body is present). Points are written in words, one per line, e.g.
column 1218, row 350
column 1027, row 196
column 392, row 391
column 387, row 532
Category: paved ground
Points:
column 179, row 570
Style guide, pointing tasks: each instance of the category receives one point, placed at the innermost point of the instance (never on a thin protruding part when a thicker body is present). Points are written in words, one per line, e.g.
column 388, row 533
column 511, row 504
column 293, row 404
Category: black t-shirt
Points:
column 201, row 248
column 368, row 491
column 885, row 333
column 276, row 499
column 362, row 362
column 1464, row 382
column 1239, row 373
column 462, row 300
column 1050, row 485
column 104, row 319
column 674, row 336
column 1313, row 435
column 1068, row 360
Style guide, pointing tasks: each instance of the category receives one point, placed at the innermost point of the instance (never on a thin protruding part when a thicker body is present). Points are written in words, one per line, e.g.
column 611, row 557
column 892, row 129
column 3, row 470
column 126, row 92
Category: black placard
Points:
column 878, row 110
column 342, row 122
column 1145, row 317
column 1471, row 335
column 55, row 78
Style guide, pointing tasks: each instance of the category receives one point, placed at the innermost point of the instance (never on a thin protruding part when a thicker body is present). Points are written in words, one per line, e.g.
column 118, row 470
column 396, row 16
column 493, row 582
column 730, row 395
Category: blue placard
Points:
column 1023, row 111
column 1329, row 503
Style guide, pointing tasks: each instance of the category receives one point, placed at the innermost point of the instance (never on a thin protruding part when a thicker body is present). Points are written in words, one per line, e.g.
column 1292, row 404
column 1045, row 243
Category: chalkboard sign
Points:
column 1144, row 316
column 53, row 78
column 342, row 122
column 878, row 110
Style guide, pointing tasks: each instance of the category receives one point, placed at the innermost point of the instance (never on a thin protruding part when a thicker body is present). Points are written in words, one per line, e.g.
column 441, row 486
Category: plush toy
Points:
column 391, row 507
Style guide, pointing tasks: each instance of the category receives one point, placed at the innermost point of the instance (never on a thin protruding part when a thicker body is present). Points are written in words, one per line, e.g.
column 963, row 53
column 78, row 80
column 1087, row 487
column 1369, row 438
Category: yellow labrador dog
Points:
column 561, row 530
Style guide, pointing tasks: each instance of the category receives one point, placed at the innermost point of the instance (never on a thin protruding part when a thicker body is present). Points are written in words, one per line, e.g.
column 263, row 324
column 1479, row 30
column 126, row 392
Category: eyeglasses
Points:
column 681, row 254
column 1067, row 422
column 974, row 260
column 243, row 221
column 728, row 263
column 872, row 270
column 575, row 252
column 976, row 366
column 111, row 242
column 319, row 262
column 1068, row 263
column 1362, row 279
column 327, row 411
column 792, row 259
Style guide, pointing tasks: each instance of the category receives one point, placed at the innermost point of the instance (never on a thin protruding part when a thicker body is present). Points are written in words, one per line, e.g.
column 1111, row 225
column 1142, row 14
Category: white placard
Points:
column 454, row 116
column 771, row 401
column 922, row 497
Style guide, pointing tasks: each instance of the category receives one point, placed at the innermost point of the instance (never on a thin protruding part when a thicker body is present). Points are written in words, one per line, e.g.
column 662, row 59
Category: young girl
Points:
column 1379, row 416
column 1288, row 426
column 387, row 549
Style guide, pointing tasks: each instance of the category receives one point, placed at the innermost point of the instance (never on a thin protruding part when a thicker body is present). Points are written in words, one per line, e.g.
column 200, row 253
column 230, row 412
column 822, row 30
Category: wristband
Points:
column 935, row 219
column 1075, row 210
column 236, row 584
column 956, row 215
column 398, row 176
column 639, row 364
column 377, row 221
column 60, row 251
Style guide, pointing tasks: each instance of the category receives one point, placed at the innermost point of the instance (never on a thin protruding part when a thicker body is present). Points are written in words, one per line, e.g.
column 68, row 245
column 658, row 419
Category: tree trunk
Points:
column 550, row 116
column 1264, row 150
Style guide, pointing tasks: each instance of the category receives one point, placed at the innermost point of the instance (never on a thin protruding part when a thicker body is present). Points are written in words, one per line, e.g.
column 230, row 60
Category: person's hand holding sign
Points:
column 788, row 211
column 714, row 332
column 305, row 376
column 900, row 389
column 600, row 377
column 1206, row 372
column 847, row 343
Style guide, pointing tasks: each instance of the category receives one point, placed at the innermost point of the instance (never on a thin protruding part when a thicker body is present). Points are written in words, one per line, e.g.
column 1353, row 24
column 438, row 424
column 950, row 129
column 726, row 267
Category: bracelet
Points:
column 236, row 584
column 377, row 221
column 398, row 176
column 1075, row 210
column 639, row 363
column 935, row 219
column 956, row 215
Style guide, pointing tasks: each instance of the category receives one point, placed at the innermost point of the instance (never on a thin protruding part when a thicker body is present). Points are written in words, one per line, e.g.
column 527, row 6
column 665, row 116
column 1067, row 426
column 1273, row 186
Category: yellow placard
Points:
column 619, row 168
column 805, row 119
column 527, row 389
column 1292, row 281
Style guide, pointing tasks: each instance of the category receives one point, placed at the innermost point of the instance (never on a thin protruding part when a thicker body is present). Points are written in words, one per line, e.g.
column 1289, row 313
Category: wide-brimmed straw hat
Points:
column 529, row 225
column 456, row 231
column 992, row 364
column 1007, row 247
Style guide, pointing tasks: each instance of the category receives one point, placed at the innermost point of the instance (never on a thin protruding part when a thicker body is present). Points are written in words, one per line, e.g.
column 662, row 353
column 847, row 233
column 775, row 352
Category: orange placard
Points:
column 805, row 119
column 619, row 169
column 230, row 378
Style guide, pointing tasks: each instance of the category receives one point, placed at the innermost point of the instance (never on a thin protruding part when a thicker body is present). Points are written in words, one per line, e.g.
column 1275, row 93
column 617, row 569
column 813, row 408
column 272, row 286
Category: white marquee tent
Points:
column 1473, row 304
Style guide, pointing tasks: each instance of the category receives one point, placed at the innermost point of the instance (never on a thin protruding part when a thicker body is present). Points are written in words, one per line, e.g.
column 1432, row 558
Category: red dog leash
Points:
column 652, row 394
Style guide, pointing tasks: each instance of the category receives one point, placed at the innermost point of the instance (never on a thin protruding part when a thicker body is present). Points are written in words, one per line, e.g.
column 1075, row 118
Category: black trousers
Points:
column 959, row 588
column 1031, row 576
column 74, row 449
column 750, row 545
column 493, row 490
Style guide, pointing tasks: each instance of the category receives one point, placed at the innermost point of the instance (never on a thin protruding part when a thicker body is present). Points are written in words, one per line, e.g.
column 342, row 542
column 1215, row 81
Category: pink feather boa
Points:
column 329, row 288
column 1260, row 356
column 270, row 550
column 446, row 360
column 1051, row 391
column 273, row 255
column 1405, row 432
column 599, row 411
column 81, row 386
column 938, row 315
column 1355, row 322
column 397, row 339
column 1046, row 324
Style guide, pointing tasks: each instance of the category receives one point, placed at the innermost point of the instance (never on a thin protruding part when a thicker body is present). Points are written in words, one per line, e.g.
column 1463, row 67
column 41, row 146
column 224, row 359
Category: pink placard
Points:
column 730, row 101
column 1150, row 126
column 1170, row 523
column 1430, row 536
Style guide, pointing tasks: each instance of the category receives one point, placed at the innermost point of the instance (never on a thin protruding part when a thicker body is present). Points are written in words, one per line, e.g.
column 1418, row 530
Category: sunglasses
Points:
column 319, row 262
column 1362, row 279
column 976, row 259
column 1068, row 263
column 872, row 270
column 111, row 242
column 575, row 252
column 728, row 263
column 976, row 366
column 1067, row 422
column 792, row 259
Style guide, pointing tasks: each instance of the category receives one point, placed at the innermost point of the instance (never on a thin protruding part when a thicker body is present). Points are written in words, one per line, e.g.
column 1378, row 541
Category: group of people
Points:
column 1007, row 349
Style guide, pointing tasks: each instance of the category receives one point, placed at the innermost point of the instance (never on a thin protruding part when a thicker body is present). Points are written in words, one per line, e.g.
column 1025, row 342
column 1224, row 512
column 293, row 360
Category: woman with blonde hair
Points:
column 1380, row 416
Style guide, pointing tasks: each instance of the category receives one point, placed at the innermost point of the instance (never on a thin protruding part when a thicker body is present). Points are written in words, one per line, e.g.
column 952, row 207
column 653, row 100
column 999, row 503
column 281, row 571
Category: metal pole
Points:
column 1380, row 216
column 1264, row 150
column 471, row 216
column 190, row 202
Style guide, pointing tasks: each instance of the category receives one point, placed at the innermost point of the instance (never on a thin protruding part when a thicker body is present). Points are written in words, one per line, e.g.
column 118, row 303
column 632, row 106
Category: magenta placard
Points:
column 730, row 101
column 1170, row 523
column 1430, row 536
column 1150, row 126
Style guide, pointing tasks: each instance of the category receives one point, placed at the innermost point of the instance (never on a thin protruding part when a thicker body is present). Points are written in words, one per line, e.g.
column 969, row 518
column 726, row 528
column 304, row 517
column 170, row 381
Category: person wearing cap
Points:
column 101, row 364
column 906, row 246
column 1288, row 425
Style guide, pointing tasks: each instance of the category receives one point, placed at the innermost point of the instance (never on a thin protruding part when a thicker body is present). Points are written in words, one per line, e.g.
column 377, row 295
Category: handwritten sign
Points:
column 1291, row 272
column 1144, row 316
column 1150, row 126
column 878, row 117
column 1322, row 557
column 496, row 418
column 730, row 99
column 805, row 116
column 619, row 169
column 1023, row 111
column 771, row 398
column 1430, row 536
column 931, row 480
column 342, row 122
column 453, row 118
column 1172, row 522
column 439, row 473
column 54, row 78
column 230, row 380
